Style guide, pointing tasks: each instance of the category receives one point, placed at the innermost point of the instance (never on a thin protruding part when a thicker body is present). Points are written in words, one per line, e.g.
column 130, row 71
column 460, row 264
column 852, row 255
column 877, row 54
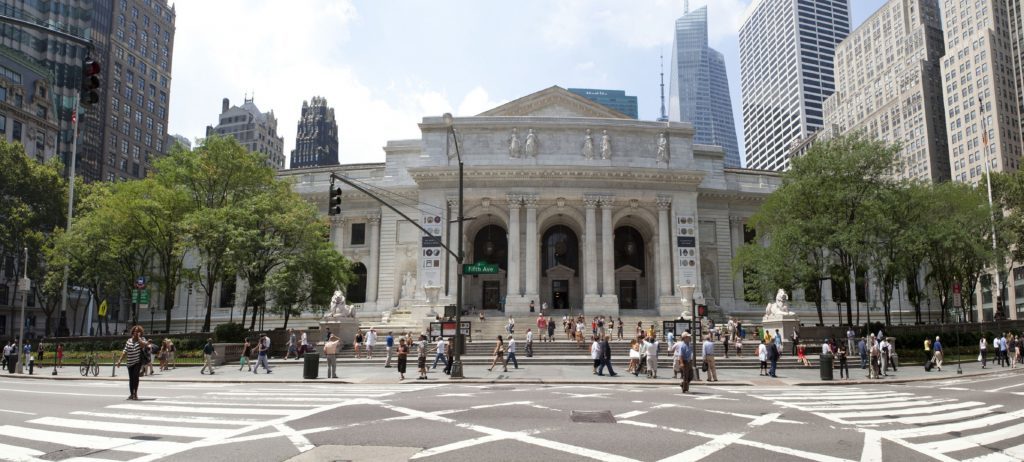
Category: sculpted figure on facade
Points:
column 531, row 144
column 514, row 146
column 588, row 146
column 662, row 148
column 408, row 285
column 606, row 145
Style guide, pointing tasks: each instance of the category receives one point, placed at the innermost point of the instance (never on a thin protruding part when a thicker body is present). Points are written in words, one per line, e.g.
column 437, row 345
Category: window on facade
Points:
column 16, row 132
column 3, row 124
column 358, row 234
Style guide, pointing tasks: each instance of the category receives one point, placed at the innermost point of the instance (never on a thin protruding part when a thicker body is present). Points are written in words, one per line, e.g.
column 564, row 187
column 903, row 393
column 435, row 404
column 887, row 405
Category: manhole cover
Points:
column 592, row 417
column 66, row 454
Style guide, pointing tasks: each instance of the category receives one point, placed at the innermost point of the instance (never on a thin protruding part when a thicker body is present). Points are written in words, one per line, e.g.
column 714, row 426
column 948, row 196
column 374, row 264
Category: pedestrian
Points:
column 850, row 335
column 440, row 355
column 1004, row 358
column 262, row 350
column 358, row 342
column 893, row 357
column 795, row 338
column 371, row 341
column 449, row 348
column 726, row 340
column 862, row 351
column 403, row 354
column 652, row 357
column 163, row 355
column 884, row 346
column 670, row 338
column 685, row 356
column 983, row 351
column 773, row 358
column 762, row 355
column 331, row 349
column 292, row 347
column 843, row 368
column 542, row 326
column 208, row 353
column 172, row 361
column 619, row 332
column 778, row 340
column 421, row 357
column 529, row 343
column 875, row 352
column 498, row 354
column 60, row 355
column 739, row 345
column 510, row 325
column 551, row 329
column 595, row 353
column 927, row 347
column 937, row 356
column 133, row 354
column 532, row 307
column 677, row 363
column 709, row 359
column 303, row 345
column 606, row 357
column 511, row 349
column 243, row 360
column 389, row 344
column 801, row 355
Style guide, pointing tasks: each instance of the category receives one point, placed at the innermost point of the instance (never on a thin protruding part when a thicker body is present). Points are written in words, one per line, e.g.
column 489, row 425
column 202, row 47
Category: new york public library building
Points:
column 579, row 206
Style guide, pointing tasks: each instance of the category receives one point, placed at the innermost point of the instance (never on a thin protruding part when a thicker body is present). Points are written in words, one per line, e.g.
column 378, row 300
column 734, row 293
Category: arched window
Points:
column 491, row 246
column 560, row 247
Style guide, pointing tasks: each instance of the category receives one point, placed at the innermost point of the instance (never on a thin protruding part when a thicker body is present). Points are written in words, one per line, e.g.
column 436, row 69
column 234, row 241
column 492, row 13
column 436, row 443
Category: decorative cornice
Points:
column 516, row 176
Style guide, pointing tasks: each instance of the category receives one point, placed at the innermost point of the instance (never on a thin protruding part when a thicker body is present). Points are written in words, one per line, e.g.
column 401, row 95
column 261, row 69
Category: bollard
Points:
column 31, row 364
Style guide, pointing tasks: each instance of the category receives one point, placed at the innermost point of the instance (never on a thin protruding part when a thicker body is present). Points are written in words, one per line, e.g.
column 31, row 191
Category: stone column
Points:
column 607, row 251
column 514, row 203
column 373, row 268
column 590, row 248
column 736, row 241
column 338, row 232
column 665, row 256
column 532, row 249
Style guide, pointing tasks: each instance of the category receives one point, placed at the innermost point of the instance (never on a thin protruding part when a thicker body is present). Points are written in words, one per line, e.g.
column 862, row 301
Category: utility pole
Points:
column 25, row 285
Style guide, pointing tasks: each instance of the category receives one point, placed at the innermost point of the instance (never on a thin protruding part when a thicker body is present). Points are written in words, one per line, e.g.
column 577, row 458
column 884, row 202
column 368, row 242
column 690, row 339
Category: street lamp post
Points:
column 188, row 299
column 460, row 256
column 25, row 285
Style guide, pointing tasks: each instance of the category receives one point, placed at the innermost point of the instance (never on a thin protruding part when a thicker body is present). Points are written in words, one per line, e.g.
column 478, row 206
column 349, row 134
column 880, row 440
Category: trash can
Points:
column 826, row 366
column 311, row 366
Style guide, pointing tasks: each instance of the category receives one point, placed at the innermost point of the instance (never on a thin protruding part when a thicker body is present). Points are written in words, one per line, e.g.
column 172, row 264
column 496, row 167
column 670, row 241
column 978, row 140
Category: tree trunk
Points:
column 255, row 311
column 853, row 297
column 817, row 304
column 287, row 314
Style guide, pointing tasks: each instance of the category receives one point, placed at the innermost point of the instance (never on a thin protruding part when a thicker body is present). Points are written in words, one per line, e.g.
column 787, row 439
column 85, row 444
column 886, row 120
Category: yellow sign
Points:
column 103, row 308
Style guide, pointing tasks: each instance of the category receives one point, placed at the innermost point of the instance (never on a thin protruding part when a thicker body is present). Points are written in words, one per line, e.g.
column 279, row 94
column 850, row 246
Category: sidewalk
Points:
column 374, row 372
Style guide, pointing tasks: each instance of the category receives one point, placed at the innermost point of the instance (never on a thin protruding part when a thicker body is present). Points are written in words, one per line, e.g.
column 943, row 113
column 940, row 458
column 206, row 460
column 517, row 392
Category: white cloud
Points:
column 475, row 102
column 570, row 23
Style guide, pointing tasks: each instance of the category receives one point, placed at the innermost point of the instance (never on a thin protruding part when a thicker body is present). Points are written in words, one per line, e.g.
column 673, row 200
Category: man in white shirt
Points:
column 825, row 349
column 511, row 356
column 441, row 353
column 883, row 346
column 651, row 346
column 677, row 360
column 529, row 343
column 371, row 340
column 709, row 358
column 595, row 353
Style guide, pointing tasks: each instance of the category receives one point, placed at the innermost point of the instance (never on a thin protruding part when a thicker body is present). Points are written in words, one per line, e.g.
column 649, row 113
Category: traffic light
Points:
column 334, row 204
column 90, row 82
column 702, row 310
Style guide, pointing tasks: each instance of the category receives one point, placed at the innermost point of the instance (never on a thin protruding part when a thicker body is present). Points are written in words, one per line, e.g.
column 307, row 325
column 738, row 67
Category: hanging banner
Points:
column 431, row 252
column 686, row 249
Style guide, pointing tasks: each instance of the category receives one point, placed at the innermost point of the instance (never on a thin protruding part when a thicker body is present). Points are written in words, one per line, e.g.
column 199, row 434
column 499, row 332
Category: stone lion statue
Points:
column 780, row 306
column 338, row 307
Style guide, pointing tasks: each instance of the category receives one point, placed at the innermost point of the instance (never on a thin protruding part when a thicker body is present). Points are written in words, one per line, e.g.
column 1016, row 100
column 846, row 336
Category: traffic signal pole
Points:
column 71, row 208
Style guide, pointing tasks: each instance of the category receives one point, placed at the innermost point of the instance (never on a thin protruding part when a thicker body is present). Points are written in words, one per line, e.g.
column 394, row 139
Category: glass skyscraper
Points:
column 699, row 86
column 614, row 99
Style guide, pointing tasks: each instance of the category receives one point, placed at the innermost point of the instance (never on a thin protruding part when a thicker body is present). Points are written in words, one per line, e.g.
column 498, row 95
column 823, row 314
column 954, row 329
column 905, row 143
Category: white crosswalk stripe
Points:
column 909, row 419
column 164, row 426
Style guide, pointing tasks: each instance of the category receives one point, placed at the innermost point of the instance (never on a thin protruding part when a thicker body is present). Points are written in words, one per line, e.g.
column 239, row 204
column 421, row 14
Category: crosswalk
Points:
column 150, row 430
column 949, row 429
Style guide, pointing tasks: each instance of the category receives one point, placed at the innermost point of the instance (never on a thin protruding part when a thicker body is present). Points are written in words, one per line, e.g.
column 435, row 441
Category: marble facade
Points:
column 580, row 206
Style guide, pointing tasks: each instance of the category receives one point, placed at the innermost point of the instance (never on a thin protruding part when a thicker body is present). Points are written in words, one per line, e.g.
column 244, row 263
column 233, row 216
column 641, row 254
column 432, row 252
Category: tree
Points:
column 308, row 281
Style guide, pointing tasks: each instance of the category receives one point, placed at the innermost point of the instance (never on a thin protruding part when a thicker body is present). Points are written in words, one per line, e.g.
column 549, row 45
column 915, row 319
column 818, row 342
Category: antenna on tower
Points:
column 686, row 6
column 664, row 117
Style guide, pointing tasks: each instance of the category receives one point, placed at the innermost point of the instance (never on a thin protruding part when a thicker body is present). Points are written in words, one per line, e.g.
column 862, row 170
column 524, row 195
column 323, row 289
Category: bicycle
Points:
column 90, row 364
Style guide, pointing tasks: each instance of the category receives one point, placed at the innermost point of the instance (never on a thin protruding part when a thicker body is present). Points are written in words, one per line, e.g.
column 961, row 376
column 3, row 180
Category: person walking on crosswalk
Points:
column 709, row 359
column 686, row 356
column 262, row 350
column 132, row 356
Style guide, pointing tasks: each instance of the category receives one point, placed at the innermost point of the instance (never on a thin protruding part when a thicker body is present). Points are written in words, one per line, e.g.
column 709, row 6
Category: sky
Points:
column 384, row 65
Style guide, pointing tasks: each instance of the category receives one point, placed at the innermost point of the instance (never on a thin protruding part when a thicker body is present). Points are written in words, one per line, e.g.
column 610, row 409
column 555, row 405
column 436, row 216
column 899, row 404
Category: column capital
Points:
column 453, row 202
column 373, row 217
column 514, row 201
column 530, row 201
column 607, row 202
column 591, row 201
column 735, row 219
column 338, row 220
column 664, row 202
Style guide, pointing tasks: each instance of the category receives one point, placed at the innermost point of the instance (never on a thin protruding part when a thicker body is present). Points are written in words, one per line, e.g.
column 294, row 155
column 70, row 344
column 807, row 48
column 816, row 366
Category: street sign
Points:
column 103, row 308
column 480, row 267
column 140, row 296
column 24, row 284
column 956, row 287
column 957, row 300
column 140, row 282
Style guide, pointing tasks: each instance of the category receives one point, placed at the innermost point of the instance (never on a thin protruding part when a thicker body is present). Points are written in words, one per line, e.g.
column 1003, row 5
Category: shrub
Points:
column 230, row 332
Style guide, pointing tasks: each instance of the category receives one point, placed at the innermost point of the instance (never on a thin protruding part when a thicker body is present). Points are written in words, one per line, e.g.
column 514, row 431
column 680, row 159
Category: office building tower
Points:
column 316, row 141
column 699, row 86
column 133, row 40
column 889, row 86
column 614, row 99
column 786, row 72
column 981, row 73
column 255, row 130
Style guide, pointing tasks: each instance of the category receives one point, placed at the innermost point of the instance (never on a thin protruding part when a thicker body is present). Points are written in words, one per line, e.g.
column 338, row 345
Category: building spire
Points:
column 664, row 117
column 686, row 6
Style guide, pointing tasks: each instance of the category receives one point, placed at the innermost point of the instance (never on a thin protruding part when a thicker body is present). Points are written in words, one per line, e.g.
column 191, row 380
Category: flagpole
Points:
column 991, row 208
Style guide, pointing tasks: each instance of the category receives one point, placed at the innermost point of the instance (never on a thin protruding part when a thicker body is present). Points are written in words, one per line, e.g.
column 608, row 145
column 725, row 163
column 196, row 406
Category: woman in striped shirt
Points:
column 133, row 353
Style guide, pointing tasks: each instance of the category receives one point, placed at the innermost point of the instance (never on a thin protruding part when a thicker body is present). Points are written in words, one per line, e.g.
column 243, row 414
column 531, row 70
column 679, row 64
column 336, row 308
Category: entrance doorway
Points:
column 627, row 295
column 492, row 295
column 560, row 294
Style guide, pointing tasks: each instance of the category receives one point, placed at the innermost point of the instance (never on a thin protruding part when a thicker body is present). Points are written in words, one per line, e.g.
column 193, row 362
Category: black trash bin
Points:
column 311, row 366
column 826, row 366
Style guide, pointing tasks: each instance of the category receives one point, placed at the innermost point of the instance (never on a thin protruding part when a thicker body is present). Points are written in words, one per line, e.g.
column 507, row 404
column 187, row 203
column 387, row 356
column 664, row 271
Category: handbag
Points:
column 704, row 366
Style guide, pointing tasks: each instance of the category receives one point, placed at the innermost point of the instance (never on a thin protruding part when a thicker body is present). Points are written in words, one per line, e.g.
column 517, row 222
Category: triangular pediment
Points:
column 560, row 271
column 554, row 102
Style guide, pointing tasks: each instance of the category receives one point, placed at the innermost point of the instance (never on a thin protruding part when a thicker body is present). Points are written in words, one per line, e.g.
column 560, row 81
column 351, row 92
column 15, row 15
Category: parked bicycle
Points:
column 90, row 365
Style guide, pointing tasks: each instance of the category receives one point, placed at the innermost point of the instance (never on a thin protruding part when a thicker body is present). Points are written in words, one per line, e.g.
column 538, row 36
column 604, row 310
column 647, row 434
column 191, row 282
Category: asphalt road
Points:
column 975, row 418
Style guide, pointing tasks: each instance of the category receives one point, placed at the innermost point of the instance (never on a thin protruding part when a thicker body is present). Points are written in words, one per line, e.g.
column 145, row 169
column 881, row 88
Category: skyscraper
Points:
column 133, row 40
column 982, row 81
column 316, row 141
column 614, row 99
column 254, row 130
column 786, row 59
column 699, row 86
column 889, row 86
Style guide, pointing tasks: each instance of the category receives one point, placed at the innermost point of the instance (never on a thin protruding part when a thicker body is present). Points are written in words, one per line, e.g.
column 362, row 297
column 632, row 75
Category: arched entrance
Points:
column 632, row 283
column 490, row 245
column 560, row 264
column 356, row 291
